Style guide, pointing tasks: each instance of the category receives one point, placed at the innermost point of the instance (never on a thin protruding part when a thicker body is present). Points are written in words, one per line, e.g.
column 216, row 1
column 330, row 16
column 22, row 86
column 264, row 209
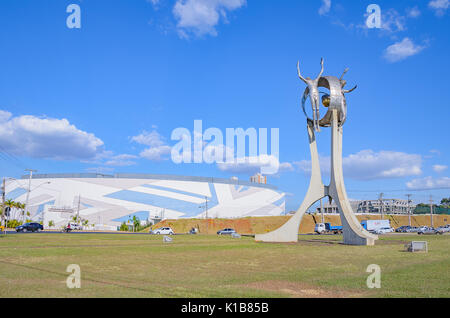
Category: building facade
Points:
column 387, row 206
column 107, row 201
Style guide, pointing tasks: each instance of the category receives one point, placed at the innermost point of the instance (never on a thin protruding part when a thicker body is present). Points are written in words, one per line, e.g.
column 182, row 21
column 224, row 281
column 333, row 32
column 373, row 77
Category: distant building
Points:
column 258, row 178
column 390, row 206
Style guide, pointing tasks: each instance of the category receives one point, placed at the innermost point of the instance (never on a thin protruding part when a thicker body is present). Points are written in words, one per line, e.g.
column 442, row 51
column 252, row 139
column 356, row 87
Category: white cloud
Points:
column 439, row 168
column 43, row 137
column 370, row 165
column 152, row 139
column 401, row 50
column 325, row 8
column 429, row 183
column 4, row 116
column 286, row 167
column 252, row 165
column 439, row 6
column 121, row 160
column 158, row 149
column 156, row 153
column 413, row 12
column 392, row 21
column 202, row 16
column 435, row 151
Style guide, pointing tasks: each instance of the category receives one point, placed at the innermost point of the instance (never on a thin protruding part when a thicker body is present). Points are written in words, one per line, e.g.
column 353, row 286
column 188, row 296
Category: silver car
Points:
column 163, row 231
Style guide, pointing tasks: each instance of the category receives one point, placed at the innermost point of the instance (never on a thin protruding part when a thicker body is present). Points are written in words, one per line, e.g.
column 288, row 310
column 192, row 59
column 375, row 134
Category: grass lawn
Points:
column 34, row 265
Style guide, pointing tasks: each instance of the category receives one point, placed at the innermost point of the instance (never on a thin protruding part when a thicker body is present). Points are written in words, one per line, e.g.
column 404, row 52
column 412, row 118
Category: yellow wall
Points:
column 266, row 224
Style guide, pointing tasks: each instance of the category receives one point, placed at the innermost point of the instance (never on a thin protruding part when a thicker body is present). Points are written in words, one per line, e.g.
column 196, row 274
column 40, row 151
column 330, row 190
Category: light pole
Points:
column 29, row 189
column 321, row 211
column 381, row 204
column 28, row 195
column 206, row 212
column 409, row 209
column 431, row 209
column 3, row 202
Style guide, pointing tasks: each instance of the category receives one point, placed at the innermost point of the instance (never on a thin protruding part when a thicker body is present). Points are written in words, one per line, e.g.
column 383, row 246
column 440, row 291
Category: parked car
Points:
column 403, row 229
column 226, row 232
column 163, row 231
column 384, row 230
column 428, row 230
column 29, row 227
column 193, row 231
column 443, row 229
column 75, row 226
column 413, row 229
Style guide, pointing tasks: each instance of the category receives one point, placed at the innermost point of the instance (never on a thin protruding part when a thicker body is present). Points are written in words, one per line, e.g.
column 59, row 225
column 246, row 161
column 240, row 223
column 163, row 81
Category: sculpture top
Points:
column 334, row 100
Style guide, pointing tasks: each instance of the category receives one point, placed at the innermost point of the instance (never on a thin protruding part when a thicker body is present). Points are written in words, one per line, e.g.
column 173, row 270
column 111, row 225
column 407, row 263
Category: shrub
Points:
column 123, row 227
column 13, row 223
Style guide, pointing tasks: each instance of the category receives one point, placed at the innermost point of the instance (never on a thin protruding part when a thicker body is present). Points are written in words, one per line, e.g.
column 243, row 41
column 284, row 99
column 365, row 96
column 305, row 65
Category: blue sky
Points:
column 106, row 97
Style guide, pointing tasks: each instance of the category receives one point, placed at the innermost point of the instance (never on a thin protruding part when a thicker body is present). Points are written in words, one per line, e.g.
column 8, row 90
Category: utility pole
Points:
column 206, row 207
column 381, row 204
column 431, row 209
column 206, row 214
column 3, row 202
column 78, row 210
column 29, row 189
column 321, row 210
column 409, row 208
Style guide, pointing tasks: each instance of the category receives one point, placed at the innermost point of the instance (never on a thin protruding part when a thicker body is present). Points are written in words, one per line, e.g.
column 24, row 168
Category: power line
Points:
column 7, row 156
column 398, row 190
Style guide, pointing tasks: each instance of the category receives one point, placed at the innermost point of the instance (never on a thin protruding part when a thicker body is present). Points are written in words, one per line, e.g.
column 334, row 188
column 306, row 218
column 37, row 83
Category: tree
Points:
column 51, row 223
column 21, row 207
column 123, row 227
column 11, row 205
column 136, row 223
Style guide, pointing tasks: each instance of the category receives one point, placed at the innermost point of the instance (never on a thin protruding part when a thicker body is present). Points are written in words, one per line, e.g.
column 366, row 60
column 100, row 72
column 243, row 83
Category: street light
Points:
column 28, row 196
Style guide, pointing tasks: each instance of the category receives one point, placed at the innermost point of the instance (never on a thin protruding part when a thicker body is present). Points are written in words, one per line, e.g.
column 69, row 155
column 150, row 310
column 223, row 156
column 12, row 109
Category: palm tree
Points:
column 136, row 223
column 21, row 207
column 11, row 205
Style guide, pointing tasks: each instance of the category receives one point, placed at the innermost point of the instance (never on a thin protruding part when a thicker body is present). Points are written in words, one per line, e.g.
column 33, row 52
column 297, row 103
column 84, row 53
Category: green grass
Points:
column 34, row 265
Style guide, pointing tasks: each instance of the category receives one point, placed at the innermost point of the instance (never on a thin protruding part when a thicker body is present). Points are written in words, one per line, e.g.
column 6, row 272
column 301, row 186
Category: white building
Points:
column 109, row 200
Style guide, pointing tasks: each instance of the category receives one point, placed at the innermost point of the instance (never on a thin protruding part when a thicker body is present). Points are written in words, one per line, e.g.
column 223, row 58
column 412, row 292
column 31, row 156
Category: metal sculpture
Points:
column 335, row 117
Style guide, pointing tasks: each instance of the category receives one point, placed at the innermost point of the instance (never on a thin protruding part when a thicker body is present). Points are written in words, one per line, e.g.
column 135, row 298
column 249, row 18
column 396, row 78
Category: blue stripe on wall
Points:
column 42, row 206
column 188, row 208
column 279, row 202
column 141, row 215
column 151, row 186
column 14, row 194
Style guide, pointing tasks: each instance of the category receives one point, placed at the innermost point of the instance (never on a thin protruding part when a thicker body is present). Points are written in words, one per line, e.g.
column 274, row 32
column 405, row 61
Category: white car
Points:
column 384, row 230
column 163, row 231
column 444, row 229
column 75, row 226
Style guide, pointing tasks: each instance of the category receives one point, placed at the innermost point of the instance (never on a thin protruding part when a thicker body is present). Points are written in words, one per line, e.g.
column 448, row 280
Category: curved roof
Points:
column 149, row 176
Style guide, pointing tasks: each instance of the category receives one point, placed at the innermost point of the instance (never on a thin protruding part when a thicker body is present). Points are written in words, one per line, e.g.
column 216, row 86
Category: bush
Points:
column 123, row 227
column 13, row 223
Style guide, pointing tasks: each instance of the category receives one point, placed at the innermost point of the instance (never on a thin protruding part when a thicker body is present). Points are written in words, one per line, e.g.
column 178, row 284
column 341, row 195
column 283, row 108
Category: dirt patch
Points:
column 302, row 290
